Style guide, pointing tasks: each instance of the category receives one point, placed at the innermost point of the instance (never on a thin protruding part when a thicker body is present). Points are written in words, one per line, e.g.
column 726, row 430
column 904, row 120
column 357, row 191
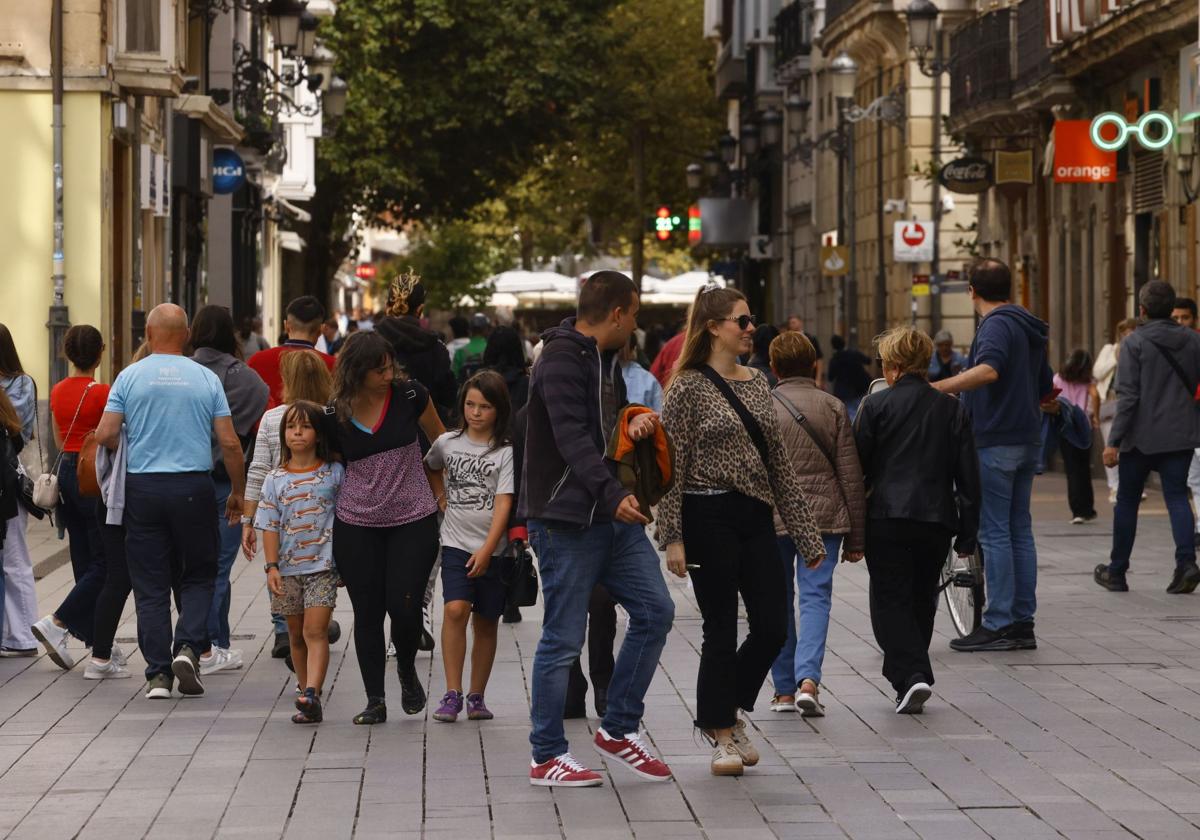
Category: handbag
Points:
column 46, row 493
column 752, row 428
column 520, row 577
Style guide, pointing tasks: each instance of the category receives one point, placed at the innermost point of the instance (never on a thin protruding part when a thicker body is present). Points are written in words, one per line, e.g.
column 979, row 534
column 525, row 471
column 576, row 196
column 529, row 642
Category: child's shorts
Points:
column 318, row 589
column 486, row 592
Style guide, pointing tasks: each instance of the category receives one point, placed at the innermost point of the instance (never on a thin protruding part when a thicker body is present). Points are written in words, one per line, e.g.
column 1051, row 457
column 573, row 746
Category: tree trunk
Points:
column 638, row 227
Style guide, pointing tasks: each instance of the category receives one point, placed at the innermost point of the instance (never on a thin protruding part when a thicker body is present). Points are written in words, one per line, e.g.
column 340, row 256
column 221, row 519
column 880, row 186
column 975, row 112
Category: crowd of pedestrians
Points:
column 759, row 468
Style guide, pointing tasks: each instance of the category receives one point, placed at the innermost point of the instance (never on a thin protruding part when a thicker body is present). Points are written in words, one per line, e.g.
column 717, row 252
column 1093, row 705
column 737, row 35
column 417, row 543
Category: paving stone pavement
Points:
column 1094, row 735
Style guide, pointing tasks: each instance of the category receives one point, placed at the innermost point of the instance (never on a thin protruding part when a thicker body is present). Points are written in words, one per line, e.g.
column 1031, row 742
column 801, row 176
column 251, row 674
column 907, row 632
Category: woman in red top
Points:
column 77, row 403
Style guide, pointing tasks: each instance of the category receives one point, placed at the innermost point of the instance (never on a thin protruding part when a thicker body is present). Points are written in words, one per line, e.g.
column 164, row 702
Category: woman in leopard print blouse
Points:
column 718, row 518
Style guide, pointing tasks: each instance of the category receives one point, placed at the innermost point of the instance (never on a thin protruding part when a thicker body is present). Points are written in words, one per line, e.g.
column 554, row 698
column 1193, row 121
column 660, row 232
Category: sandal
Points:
column 376, row 712
column 309, row 704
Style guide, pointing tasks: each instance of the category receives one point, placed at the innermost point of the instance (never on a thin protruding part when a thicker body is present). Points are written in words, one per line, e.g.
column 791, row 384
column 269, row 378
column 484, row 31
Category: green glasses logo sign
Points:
column 1154, row 130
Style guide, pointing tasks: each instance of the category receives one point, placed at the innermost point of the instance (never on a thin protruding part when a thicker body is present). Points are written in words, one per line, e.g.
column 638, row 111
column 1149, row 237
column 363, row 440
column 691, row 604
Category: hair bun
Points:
column 406, row 293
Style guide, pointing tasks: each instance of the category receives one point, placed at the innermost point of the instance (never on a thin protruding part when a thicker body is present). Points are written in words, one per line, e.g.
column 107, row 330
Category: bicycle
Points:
column 962, row 586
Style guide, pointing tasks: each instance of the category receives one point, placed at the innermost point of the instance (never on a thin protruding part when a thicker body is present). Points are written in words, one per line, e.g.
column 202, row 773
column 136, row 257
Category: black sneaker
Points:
column 1021, row 635
column 512, row 614
column 982, row 639
column 185, row 665
column 1185, row 579
column 412, row 694
column 912, row 701
column 334, row 632
column 282, row 646
column 1113, row 583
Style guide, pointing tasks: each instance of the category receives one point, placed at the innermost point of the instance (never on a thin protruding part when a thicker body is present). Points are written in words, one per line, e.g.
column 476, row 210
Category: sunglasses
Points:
column 744, row 322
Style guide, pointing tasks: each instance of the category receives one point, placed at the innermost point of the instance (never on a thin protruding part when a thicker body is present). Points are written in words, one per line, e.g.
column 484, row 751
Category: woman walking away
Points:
column 11, row 444
column 820, row 441
column 505, row 354
column 1077, row 385
column 472, row 472
column 76, row 403
column 295, row 514
column 20, row 596
column 731, row 467
column 385, row 535
column 305, row 377
column 216, row 347
column 922, row 480
column 1105, row 373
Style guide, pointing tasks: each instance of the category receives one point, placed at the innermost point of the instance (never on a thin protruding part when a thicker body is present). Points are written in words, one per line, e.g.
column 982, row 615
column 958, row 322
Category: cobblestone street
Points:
column 1094, row 735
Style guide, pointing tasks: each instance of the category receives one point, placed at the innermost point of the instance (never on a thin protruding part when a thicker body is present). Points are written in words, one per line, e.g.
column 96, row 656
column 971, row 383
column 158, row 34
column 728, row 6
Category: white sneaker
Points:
column 54, row 640
column 1077, row 520
column 1112, row 497
column 221, row 659
column 117, row 655
column 110, row 670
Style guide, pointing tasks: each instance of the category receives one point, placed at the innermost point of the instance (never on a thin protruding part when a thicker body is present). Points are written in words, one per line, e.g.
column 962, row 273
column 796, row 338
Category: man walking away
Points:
column 848, row 374
column 305, row 316
column 171, row 407
column 586, row 529
column 1157, row 428
column 1006, row 380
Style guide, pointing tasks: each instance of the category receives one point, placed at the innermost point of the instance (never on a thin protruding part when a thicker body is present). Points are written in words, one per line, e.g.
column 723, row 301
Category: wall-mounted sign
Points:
column 1077, row 160
column 1014, row 167
column 967, row 175
column 912, row 241
column 228, row 171
column 835, row 261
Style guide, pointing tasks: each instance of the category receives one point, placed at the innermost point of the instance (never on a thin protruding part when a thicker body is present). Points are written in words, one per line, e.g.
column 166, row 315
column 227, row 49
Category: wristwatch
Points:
column 246, row 520
column 267, row 567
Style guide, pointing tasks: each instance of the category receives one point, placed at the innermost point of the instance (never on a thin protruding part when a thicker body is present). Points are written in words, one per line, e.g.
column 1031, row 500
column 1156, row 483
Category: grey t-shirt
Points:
column 475, row 474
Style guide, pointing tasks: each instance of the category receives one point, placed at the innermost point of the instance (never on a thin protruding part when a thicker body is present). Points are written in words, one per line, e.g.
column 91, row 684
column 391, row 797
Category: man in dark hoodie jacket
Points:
column 586, row 528
column 1006, row 380
column 1157, row 428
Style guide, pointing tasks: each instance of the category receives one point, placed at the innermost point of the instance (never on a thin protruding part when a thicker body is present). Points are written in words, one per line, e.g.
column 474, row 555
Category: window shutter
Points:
column 1148, row 190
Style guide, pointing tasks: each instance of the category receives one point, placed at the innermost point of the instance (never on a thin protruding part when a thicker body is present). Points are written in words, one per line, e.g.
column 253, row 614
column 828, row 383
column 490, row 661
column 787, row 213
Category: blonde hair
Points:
column 305, row 377
column 142, row 352
column 1125, row 325
column 906, row 349
column 402, row 288
column 792, row 354
column 711, row 304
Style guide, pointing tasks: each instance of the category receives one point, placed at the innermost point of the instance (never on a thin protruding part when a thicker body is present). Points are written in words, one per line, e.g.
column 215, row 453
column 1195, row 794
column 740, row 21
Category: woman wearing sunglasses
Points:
column 731, row 468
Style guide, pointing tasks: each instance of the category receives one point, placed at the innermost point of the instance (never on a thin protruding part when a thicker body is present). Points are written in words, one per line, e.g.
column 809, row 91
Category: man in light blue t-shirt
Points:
column 171, row 407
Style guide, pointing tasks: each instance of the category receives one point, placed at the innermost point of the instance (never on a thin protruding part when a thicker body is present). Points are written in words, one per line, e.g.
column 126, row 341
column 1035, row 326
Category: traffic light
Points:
column 664, row 224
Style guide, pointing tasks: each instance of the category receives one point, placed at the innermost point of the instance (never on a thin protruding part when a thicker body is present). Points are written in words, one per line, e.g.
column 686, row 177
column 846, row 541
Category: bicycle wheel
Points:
column 962, row 584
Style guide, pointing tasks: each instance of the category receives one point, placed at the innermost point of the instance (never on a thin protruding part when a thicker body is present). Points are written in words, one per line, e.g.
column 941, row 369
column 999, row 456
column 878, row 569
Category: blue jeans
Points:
column 1006, row 533
column 1172, row 469
column 230, row 544
column 572, row 560
column 801, row 658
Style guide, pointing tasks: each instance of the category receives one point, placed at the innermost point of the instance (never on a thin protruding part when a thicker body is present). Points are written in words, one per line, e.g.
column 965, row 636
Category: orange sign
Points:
column 1076, row 158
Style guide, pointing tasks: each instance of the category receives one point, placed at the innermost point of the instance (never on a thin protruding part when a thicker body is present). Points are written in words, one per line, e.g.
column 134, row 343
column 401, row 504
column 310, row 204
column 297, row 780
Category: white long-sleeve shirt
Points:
column 266, row 452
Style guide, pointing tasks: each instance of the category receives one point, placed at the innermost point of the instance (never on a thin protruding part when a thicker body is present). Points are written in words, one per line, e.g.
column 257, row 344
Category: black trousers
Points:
column 731, row 538
column 170, row 538
column 110, row 603
column 385, row 571
column 905, row 560
column 601, row 636
column 1077, row 463
column 77, row 610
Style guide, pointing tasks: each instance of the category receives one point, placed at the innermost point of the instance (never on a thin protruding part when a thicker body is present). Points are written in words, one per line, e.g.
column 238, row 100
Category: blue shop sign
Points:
column 228, row 171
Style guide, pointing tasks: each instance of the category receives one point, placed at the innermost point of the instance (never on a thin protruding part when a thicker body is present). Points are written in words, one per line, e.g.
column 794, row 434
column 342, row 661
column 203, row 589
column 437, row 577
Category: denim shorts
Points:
column 486, row 592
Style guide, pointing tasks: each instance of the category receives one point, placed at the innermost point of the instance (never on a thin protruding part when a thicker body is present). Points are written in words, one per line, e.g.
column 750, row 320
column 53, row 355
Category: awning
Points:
column 225, row 129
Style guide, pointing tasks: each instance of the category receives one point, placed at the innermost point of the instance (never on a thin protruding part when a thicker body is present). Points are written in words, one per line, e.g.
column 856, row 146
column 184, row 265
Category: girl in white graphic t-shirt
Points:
column 472, row 475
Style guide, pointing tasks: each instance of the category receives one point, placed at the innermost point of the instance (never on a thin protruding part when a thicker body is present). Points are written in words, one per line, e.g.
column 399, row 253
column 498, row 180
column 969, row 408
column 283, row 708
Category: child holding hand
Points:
column 472, row 475
column 295, row 513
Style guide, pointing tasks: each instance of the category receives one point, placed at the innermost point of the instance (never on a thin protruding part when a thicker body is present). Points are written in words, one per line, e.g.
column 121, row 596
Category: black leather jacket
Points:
column 918, row 459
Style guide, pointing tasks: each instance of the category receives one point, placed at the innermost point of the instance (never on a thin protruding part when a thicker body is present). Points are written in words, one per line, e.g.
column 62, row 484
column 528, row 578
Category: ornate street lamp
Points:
column 695, row 177
column 922, row 26
column 711, row 164
column 308, row 35
column 844, row 75
column 772, row 127
column 284, row 16
column 728, row 145
column 749, row 138
column 333, row 101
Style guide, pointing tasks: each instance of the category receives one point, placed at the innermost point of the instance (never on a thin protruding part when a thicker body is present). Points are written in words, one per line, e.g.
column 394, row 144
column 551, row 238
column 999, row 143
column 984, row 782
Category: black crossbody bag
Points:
column 752, row 428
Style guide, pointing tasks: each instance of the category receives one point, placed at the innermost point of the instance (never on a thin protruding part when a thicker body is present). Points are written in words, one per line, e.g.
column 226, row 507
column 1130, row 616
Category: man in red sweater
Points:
column 664, row 362
column 303, row 324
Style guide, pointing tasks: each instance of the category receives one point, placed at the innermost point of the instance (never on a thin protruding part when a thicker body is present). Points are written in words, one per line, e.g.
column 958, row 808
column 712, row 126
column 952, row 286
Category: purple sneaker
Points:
column 475, row 708
column 452, row 705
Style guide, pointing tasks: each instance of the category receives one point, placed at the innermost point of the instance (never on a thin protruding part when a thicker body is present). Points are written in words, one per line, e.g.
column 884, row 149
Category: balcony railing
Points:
column 1033, row 53
column 981, row 71
column 793, row 32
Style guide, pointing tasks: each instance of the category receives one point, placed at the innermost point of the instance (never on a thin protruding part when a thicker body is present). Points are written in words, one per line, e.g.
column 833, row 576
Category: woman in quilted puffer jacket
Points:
column 820, row 440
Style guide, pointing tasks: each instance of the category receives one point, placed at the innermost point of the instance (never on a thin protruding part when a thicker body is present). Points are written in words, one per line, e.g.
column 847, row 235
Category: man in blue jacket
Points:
column 1006, row 380
column 586, row 528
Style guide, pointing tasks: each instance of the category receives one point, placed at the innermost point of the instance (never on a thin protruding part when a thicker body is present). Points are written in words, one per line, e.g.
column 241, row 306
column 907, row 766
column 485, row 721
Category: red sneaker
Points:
column 563, row 771
column 632, row 753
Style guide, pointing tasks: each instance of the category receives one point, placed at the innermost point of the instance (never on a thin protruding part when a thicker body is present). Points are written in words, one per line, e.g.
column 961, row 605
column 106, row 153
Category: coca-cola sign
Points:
column 967, row 175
